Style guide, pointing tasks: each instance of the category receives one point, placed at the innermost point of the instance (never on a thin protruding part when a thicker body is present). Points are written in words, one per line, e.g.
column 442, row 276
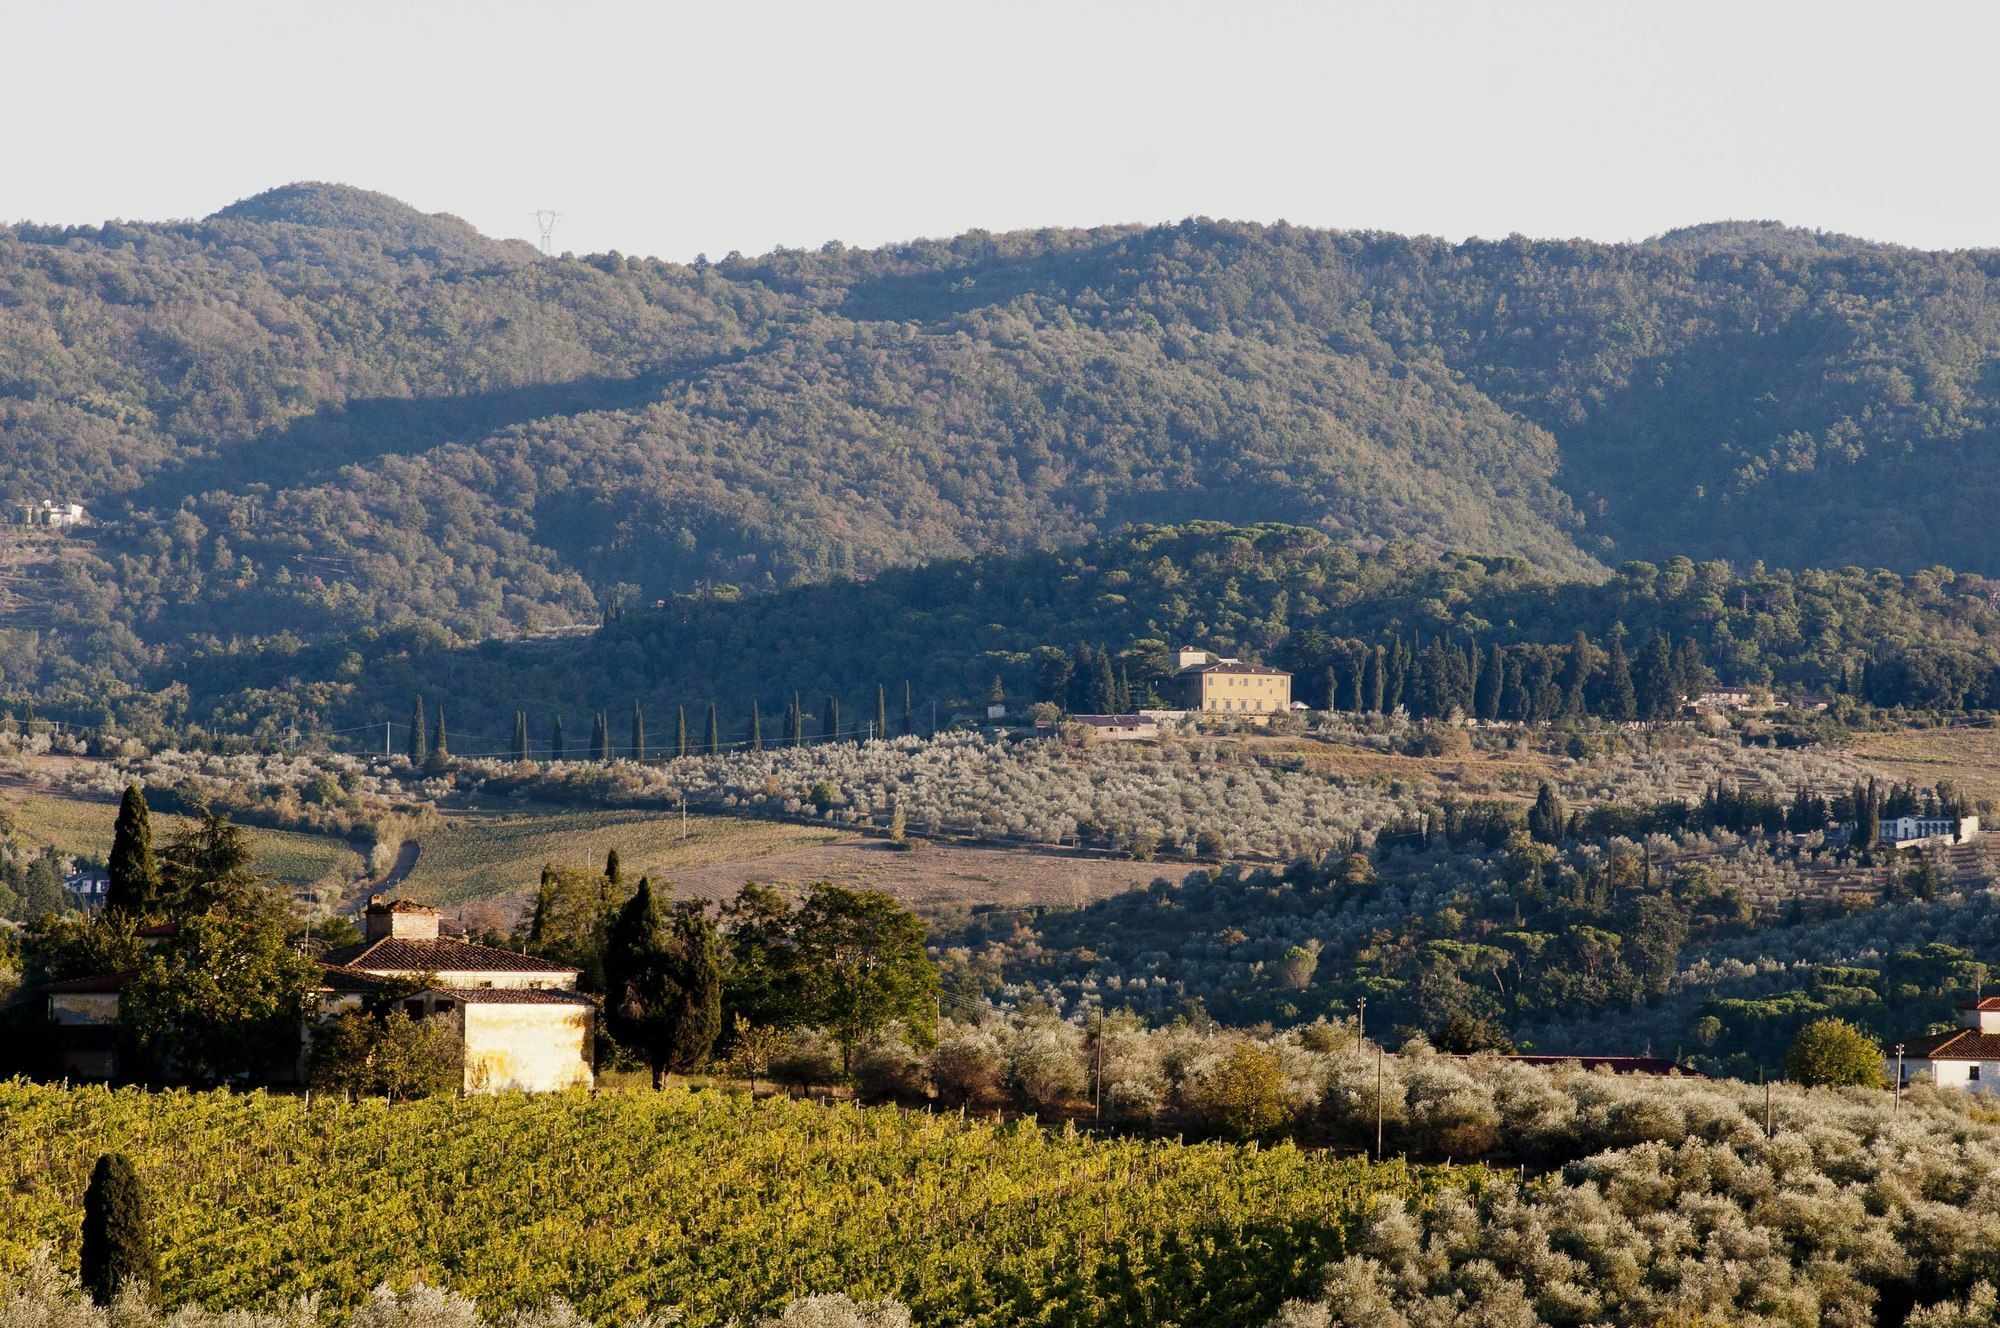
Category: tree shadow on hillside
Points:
column 313, row 448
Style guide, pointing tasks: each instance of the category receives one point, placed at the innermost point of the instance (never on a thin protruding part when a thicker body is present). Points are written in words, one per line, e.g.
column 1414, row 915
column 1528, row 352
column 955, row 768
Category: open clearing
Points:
column 1968, row 757
column 933, row 877
column 497, row 856
column 78, row 825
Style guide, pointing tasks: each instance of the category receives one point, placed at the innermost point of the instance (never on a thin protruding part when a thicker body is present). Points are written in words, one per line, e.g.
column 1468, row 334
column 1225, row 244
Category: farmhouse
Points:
column 1910, row 831
column 520, row 1020
column 1967, row 1057
column 1212, row 684
column 51, row 514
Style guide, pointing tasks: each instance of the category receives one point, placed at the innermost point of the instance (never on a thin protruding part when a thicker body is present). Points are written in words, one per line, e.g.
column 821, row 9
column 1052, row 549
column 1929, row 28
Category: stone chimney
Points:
column 1188, row 657
column 403, row 919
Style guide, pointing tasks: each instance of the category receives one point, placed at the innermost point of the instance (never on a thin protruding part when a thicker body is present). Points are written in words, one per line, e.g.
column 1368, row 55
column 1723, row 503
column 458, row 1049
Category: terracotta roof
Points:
column 511, row 996
column 1962, row 1044
column 347, row 980
column 1237, row 667
column 405, row 954
column 1987, row 1003
column 96, row 982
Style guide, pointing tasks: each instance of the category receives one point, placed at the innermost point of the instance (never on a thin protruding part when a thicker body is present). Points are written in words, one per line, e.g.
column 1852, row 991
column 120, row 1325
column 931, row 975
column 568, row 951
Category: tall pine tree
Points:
column 638, row 733
column 520, row 737
column 881, row 712
column 556, row 740
column 909, row 720
column 680, row 730
column 420, row 749
column 714, row 731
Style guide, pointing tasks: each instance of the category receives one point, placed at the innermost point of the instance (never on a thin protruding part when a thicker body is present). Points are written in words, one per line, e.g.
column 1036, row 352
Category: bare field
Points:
column 83, row 826
column 932, row 877
column 1968, row 757
column 498, row 856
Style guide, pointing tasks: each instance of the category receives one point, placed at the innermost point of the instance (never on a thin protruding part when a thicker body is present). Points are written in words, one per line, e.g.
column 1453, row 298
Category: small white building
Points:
column 87, row 886
column 1967, row 1057
column 1906, row 831
column 52, row 514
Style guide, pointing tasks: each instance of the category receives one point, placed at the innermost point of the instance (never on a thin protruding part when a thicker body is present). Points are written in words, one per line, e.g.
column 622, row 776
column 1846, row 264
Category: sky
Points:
column 678, row 129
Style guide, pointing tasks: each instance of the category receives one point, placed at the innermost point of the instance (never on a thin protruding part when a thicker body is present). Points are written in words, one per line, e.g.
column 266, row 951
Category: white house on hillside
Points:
column 1967, row 1057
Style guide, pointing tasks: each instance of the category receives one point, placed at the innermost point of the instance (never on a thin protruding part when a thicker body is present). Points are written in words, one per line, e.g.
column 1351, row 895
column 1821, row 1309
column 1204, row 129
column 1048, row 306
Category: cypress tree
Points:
column 1546, row 820
column 440, row 751
column 756, row 734
column 1124, row 697
column 1357, row 675
column 1492, row 679
column 135, row 874
column 520, row 737
column 419, row 745
column 638, row 733
column 830, row 719
column 695, row 1015
column 556, row 740
column 1378, row 680
column 600, row 738
column 1621, row 699
column 117, row 1233
column 881, row 711
column 714, row 731
column 909, row 720
column 614, row 874
column 795, row 723
column 680, row 730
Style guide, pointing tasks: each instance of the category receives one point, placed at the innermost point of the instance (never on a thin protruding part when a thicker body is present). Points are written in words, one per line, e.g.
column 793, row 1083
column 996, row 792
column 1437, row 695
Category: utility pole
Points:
column 386, row 726
column 1899, row 1078
column 1097, row 1089
column 545, row 221
column 1360, row 1023
column 1378, row 1104
column 1767, row 1105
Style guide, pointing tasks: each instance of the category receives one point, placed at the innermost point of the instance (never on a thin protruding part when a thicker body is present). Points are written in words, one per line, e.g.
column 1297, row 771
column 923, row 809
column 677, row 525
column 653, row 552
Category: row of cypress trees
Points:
column 432, row 754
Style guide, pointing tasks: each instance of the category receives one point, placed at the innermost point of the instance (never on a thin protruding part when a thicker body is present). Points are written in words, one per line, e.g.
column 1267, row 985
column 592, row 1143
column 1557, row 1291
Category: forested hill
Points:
column 1284, row 594
column 320, row 410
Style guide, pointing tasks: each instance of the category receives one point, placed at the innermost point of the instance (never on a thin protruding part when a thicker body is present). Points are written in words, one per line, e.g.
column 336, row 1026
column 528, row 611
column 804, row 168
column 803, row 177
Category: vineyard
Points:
column 702, row 1205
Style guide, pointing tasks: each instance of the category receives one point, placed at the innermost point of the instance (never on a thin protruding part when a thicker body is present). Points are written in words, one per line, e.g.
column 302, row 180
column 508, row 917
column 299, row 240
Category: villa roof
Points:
column 1232, row 666
column 97, row 982
column 406, row 954
column 1985, row 1004
column 512, row 996
column 1963, row 1044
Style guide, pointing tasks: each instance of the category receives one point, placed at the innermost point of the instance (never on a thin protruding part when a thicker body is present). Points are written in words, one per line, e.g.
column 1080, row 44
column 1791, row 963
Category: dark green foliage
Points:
column 881, row 729
column 221, row 997
column 641, row 990
column 118, row 1253
column 638, row 733
column 420, row 748
column 753, row 737
column 714, row 743
column 520, row 747
column 600, row 738
column 439, row 756
column 557, row 751
column 680, row 731
column 448, row 434
column 1547, row 821
column 829, row 724
column 135, row 874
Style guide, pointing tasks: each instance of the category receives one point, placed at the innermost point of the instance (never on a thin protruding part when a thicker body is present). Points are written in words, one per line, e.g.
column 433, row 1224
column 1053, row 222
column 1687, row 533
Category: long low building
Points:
column 521, row 1022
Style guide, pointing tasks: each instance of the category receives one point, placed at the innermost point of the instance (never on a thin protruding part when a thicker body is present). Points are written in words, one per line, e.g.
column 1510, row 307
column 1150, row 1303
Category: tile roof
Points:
column 404, row 954
column 1237, row 667
column 1961, row 1044
column 96, row 982
column 1987, row 1003
column 512, row 996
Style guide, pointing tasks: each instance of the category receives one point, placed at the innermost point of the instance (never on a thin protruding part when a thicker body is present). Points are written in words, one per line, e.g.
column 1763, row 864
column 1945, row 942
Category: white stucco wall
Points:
column 1954, row 1074
column 526, row 1048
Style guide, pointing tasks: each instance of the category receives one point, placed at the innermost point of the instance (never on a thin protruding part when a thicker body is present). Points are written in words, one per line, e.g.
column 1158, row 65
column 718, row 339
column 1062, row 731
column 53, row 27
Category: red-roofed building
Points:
column 520, row 1020
column 1967, row 1057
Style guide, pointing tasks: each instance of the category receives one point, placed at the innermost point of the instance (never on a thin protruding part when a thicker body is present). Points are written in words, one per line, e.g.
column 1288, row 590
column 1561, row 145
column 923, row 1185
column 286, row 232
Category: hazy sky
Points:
column 673, row 129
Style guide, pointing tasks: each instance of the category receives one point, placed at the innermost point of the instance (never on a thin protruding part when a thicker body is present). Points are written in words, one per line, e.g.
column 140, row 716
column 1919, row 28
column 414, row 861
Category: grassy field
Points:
column 83, row 825
column 1968, row 757
column 700, row 1207
column 498, row 856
